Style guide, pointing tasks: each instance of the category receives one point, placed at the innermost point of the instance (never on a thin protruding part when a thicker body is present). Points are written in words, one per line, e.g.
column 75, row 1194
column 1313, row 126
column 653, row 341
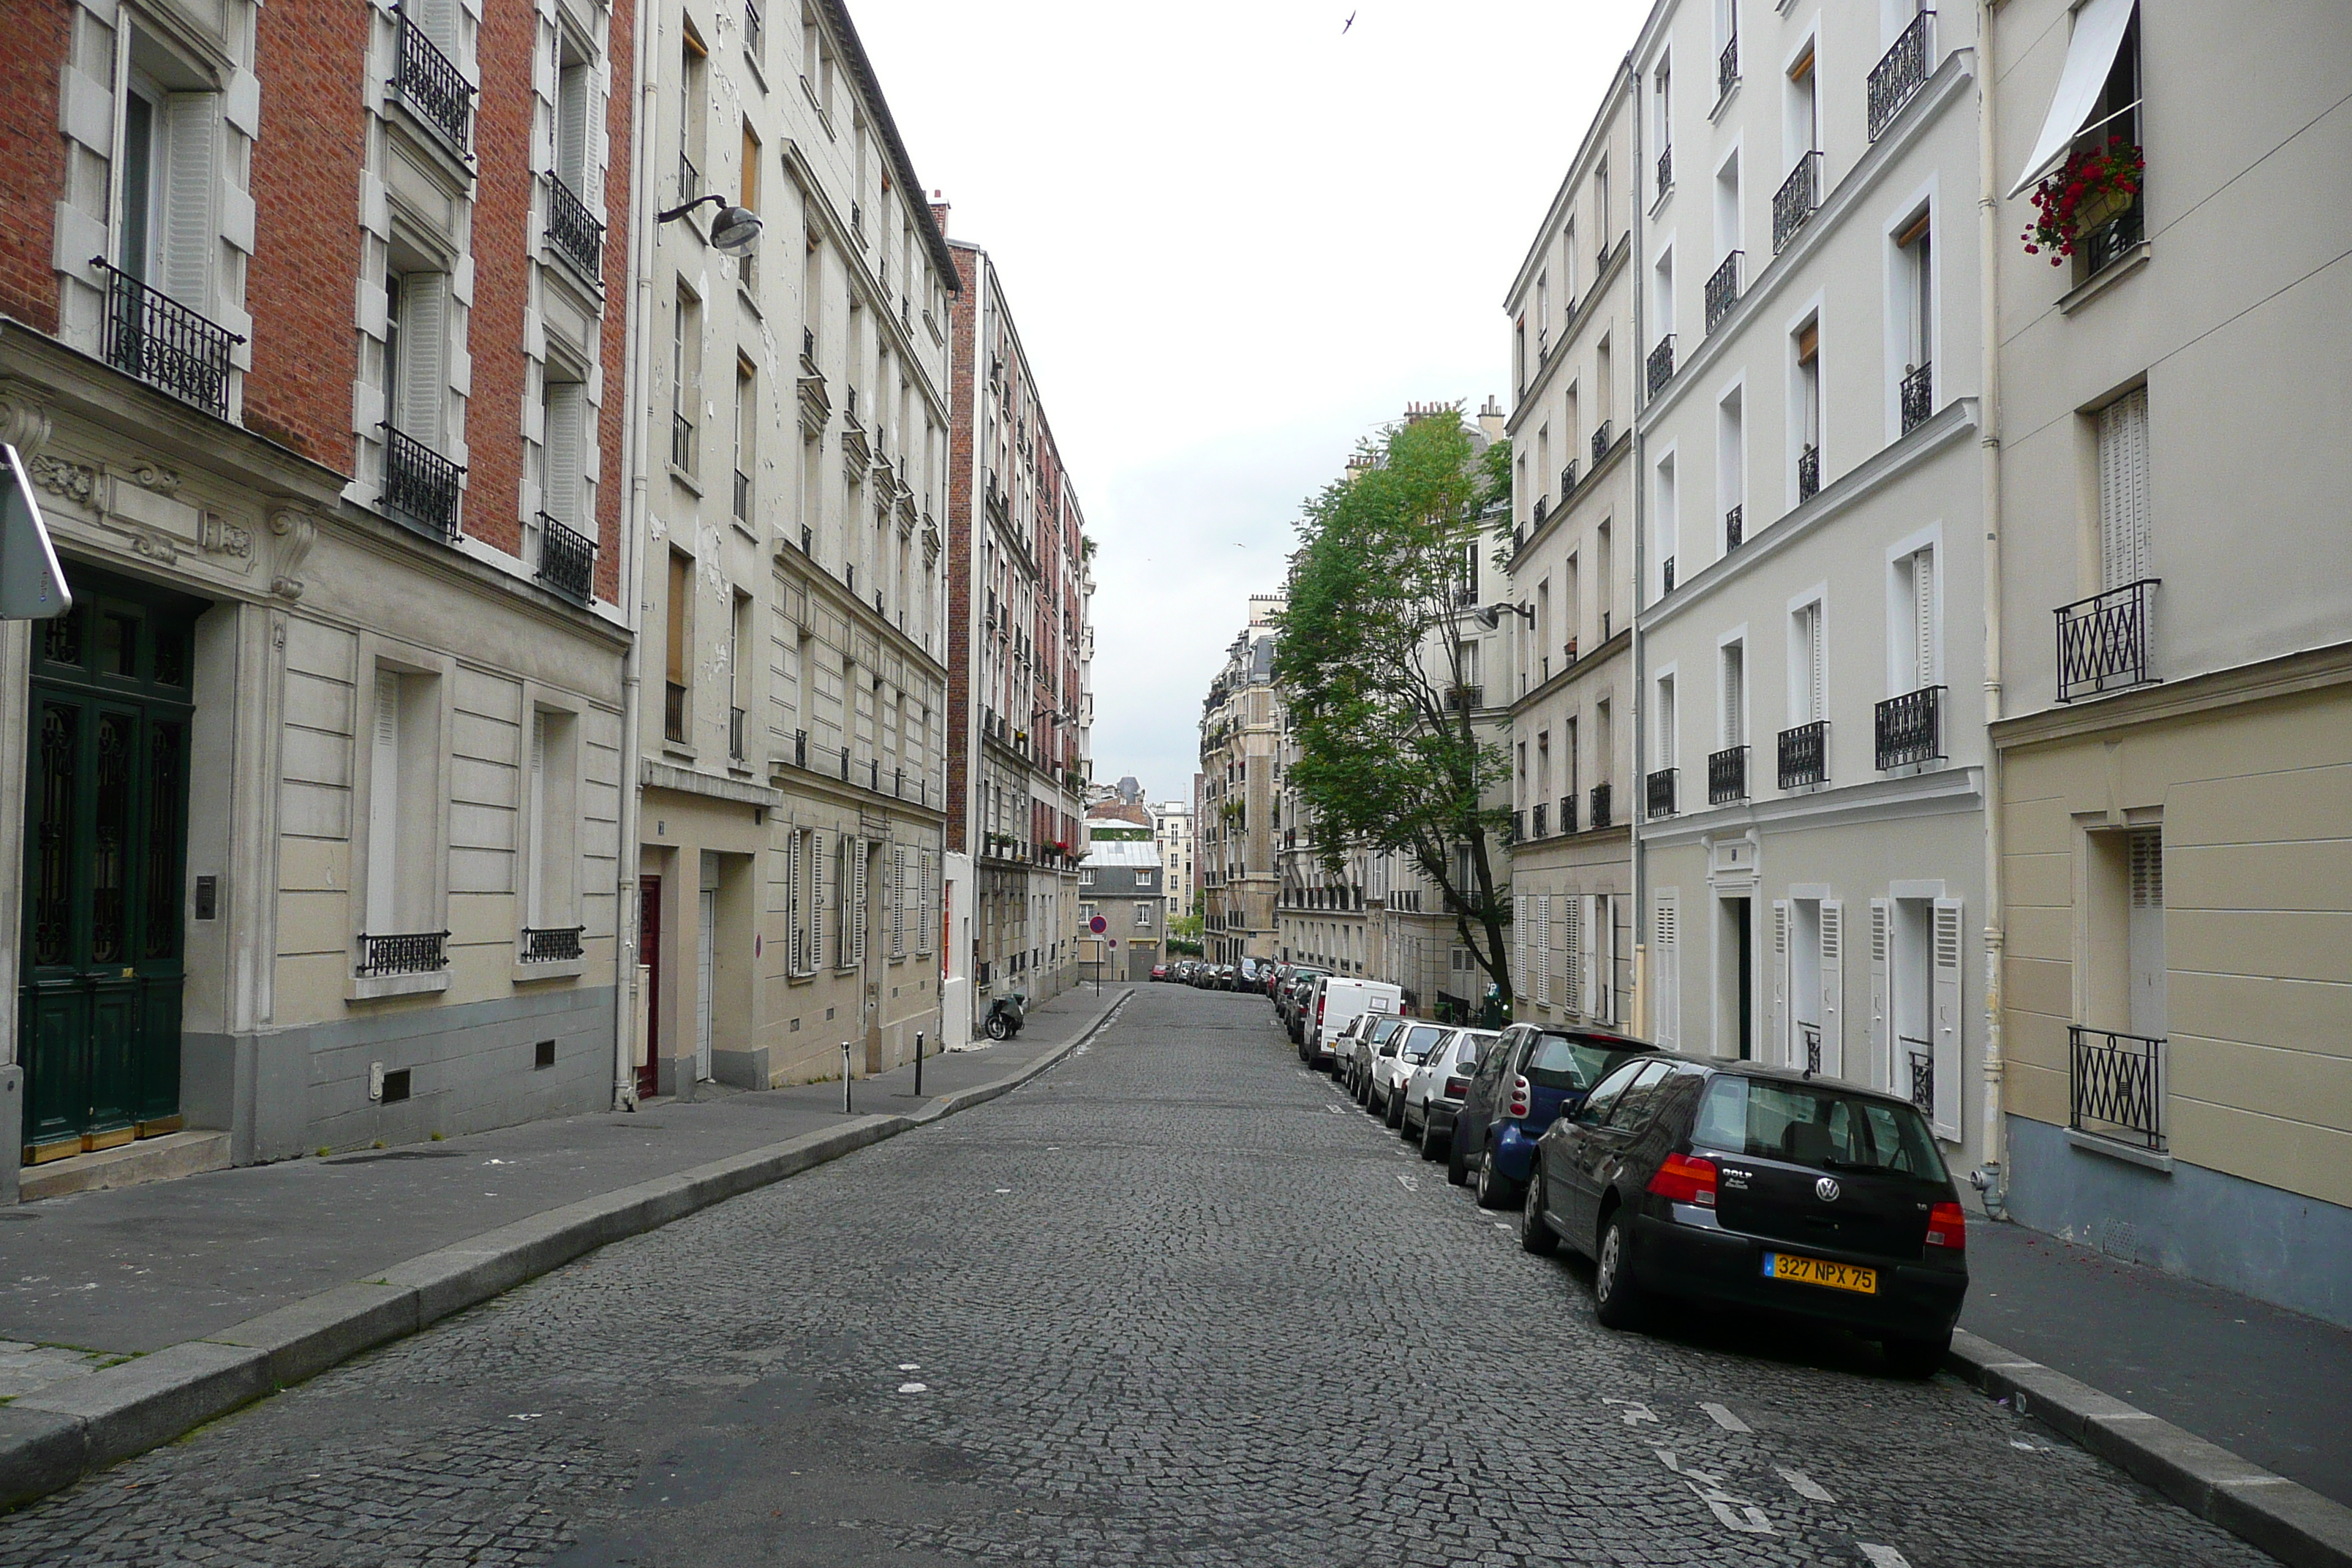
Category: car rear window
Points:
column 1382, row 1027
column 1819, row 1125
column 1559, row 1062
column 1419, row 1040
column 1467, row 1048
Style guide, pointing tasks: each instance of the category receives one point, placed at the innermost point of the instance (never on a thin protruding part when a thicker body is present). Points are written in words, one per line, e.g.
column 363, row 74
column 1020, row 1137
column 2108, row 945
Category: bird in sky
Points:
column 1349, row 23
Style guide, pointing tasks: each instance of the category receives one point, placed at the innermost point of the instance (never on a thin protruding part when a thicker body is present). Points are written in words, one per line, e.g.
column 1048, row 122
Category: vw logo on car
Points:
column 1826, row 1189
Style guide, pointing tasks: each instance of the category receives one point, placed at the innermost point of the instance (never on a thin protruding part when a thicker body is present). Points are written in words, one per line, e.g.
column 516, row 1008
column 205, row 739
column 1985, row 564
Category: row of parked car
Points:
column 1725, row 1184
column 1205, row 976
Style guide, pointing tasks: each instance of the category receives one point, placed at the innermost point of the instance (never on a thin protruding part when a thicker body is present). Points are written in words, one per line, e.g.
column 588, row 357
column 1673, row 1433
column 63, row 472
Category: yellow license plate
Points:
column 1819, row 1271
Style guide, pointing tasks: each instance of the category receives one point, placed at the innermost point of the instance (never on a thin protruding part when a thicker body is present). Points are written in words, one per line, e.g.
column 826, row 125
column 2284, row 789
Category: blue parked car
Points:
column 1530, row 1076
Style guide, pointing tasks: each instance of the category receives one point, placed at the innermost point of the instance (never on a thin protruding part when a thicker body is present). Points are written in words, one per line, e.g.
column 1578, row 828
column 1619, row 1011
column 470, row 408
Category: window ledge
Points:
column 689, row 480
column 551, row 969
column 374, row 987
column 2109, row 1147
column 2106, row 278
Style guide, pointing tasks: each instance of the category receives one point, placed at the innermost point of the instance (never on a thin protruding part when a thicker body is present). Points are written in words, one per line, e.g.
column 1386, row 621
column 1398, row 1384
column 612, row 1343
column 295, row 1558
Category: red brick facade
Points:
column 32, row 159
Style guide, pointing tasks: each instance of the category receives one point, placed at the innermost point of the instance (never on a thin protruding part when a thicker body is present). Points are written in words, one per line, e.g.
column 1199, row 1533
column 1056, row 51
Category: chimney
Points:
column 940, row 210
column 1490, row 419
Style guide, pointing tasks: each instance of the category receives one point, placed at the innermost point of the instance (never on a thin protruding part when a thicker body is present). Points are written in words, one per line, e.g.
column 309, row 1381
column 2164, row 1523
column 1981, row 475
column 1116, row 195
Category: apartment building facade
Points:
column 1172, row 831
column 312, row 353
column 1241, row 735
column 789, row 755
column 1122, row 881
column 1811, row 635
column 1017, row 697
column 1569, row 580
column 2175, row 826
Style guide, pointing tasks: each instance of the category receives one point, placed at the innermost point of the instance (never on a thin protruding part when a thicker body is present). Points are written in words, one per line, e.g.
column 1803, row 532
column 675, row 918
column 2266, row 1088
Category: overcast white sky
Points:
column 1235, row 239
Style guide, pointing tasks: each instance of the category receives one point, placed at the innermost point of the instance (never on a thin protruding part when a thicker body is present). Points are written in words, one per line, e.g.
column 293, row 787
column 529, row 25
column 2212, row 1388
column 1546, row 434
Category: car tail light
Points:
column 1455, row 1087
column 1521, row 1097
column 1686, row 1179
column 1947, row 1225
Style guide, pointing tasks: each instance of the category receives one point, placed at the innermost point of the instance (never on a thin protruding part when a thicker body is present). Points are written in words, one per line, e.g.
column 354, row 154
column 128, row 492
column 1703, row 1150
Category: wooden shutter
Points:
column 857, row 903
column 898, row 901
column 1815, row 674
column 439, row 21
column 1946, row 947
column 189, row 231
column 425, row 351
column 1833, row 987
column 1519, row 946
column 816, row 901
column 1589, row 959
column 384, row 808
column 567, row 403
column 1667, row 919
column 2122, row 490
column 1783, row 1048
column 572, row 95
column 1571, row 941
column 1923, row 617
column 1543, row 948
column 1882, row 1029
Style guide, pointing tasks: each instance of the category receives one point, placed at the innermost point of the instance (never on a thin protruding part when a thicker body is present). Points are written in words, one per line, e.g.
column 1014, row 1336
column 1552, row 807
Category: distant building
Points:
column 1240, row 736
column 1121, row 881
column 1172, row 828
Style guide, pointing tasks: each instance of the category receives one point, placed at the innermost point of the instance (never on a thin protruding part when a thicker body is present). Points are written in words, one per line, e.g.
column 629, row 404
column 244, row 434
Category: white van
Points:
column 1338, row 1002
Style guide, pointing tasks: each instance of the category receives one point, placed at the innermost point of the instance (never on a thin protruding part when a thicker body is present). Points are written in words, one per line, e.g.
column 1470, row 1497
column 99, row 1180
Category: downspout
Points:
column 1991, row 1178
column 1635, row 798
column 634, row 415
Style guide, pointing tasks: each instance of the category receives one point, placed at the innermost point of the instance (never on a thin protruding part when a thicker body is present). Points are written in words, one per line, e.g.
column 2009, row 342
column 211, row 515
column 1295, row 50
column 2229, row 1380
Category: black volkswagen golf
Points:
column 1752, row 1186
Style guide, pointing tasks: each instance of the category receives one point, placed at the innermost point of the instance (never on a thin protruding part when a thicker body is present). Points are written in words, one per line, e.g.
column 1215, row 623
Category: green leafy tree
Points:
column 1390, row 758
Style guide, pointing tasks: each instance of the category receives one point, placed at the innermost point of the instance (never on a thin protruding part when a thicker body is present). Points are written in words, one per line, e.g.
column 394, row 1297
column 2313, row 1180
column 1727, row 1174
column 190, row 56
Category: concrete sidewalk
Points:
column 131, row 1270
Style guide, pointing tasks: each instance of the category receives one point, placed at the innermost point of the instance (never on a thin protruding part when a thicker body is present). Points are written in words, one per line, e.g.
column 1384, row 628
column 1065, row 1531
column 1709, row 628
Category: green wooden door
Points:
column 105, row 845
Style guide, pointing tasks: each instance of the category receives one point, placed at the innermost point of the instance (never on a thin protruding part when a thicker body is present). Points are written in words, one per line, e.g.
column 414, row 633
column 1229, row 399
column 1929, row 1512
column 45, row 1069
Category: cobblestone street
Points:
column 1174, row 1303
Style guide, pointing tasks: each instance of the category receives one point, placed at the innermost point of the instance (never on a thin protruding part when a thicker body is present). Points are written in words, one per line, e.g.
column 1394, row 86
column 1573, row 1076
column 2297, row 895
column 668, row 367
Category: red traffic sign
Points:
column 1098, row 925
column 1114, row 941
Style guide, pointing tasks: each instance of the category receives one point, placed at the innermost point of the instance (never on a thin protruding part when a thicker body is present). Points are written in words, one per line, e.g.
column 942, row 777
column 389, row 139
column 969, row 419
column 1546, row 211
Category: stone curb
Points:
column 52, row 1437
column 2292, row 1522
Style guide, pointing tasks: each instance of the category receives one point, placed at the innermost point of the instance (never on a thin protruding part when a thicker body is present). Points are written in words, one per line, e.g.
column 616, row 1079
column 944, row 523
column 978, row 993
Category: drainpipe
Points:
column 1991, row 1178
column 635, row 492
column 1636, row 798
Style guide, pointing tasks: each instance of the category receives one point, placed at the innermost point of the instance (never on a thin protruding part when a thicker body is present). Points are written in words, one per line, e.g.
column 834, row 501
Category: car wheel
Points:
column 1364, row 1089
column 1429, row 1147
column 1396, row 1106
column 1457, row 1169
column 1494, row 1187
column 1535, row 1233
column 1616, row 1301
column 1917, row 1359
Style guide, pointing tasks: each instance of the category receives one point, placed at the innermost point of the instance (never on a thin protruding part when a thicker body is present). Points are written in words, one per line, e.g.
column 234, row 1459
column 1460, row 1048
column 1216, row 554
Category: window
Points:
column 1808, row 659
column 747, row 181
column 1915, row 314
column 1912, row 630
column 2096, row 106
column 1662, row 737
column 685, row 378
column 551, row 893
column 738, row 677
column 1732, row 689
column 574, row 72
column 1142, row 914
column 679, row 647
column 693, row 116
column 166, row 233
column 1806, row 427
column 1731, row 469
column 1802, row 125
column 417, row 328
column 2124, row 553
column 403, row 851
column 1668, row 524
column 1661, row 101
column 747, row 434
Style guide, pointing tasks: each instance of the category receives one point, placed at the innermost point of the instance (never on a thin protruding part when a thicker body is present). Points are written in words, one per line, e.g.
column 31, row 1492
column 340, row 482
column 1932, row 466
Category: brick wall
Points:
column 962, row 406
column 32, row 159
column 612, row 439
column 505, row 240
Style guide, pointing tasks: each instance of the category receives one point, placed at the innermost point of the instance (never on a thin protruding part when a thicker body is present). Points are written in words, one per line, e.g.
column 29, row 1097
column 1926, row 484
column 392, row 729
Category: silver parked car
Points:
column 1435, row 1093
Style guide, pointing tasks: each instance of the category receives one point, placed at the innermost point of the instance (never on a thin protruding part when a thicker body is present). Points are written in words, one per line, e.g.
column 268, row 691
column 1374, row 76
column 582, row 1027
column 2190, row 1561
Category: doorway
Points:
column 649, row 963
column 106, row 836
column 1736, row 971
column 705, row 951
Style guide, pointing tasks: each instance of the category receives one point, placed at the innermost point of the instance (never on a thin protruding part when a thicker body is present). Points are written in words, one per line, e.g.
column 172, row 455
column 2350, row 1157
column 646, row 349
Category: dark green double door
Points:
column 105, row 845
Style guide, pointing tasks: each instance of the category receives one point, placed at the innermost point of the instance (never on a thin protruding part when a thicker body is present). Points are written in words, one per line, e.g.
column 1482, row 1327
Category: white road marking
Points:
column 910, row 1366
column 1883, row 1556
column 914, row 1388
column 1336, row 1109
column 1411, row 1184
column 1004, row 1189
column 1501, row 1225
column 1725, row 1418
column 1749, row 1521
column 1635, row 1412
column 1806, row 1485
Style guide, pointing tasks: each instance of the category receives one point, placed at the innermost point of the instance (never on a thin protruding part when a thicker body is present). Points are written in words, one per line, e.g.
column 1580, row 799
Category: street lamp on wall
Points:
column 735, row 231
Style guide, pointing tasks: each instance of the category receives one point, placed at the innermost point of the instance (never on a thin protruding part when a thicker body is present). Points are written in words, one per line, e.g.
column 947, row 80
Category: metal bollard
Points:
column 846, row 1108
column 919, row 1064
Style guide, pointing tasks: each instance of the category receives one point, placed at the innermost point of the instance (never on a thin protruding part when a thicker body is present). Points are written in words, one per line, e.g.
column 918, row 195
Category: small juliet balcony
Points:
column 1601, row 437
column 1726, row 775
column 1919, row 396
column 1600, row 798
column 403, row 952
column 1809, row 474
column 1735, row 528
column 1900, row 73
column 567, row 561
column 1659, row 788
column 2103, row 641
column 152, row 336
column 1909, row 729
column 1665, row 170
column 433, row 87
column 1662, row 363
column 1805, row 755
column 420, row 486
column 1727, row 69
column 1794, row 204
column 1567, row 812
column 1723, row 290
column 577, row 234
column 550, row 944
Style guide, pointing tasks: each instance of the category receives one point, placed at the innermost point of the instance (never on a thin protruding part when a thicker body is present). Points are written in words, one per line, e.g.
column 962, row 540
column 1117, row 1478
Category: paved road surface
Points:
column 1173, row 1303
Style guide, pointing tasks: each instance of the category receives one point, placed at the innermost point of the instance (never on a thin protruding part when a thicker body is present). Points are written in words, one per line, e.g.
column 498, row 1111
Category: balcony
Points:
column 1665, row 170
column 1921, row 1057
column 152, row 336
column 1909, row 729
column 1535, row 820
column 1726, row 69
column 1899, row 73
column 1723, row 290
column 1659, row 788
column 577, row 234
column 1541, row 509
column 1667, row 575
column 1465, row 599
column 408, row 952
column 1795, row 202
column 1567, row 480
column 1919, row 396
column 681, row 442
column 1567, row 812
column 2103, row 641
column 1601, row 437
column 1735, row 528
column 742, row 496
column 1810, row 1036
column 556, row 944
column 735, row 734
column 673, row 712
column 567, row 561
column 1662, row 363
column 420, row 486
column 800, row 748
column 433, row 87
column 690, row 178
column 1600, row 798
column 754, row 28
column 2115, row 1085
column 1515, row 831
column 1805, row 755
column 1726, row 775
column 1809, row 474
column 1466, row 698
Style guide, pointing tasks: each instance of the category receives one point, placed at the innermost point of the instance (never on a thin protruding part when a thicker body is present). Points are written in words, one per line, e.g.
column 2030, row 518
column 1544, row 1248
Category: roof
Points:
column 1125, row 854
column 903, row 167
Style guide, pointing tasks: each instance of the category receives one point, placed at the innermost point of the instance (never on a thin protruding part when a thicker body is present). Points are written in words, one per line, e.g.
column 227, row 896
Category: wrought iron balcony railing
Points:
column 1796, row 199
column 1919, row 396
column 1921, row 1057
column 152, row 336
column 1600, row 799
column 673, row 711
column 556, row 944
column 1726, row 775
column 1515, row 831
column 1899, row 73
column 1601, row 437
column 1910, row 728
column 577, row 234
column 1667, row 575
column 407, row 953
column 1723, row 290
column 2115, row 1085
column 433, row 87
column 567, row 560
column 1809, row 474
column 754, row 28
column 1726, row 68
column 2103, row 641
column 1567, row 812
column 1734, row 529
column 420, row 485
column 1567, row 478
column 1665, row 169
column 1805, row 755
column 681, row 442
column 742, row 496
column 800, row 748
column 735, row 733
column 1535, row 815
column 690, row 178
column 1660, row 789
column 1809, row 1041
column 1662, row 363
column 1463, row 699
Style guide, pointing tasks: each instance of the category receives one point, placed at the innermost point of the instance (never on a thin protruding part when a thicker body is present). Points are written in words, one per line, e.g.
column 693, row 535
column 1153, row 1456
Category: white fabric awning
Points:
column 2090, row 55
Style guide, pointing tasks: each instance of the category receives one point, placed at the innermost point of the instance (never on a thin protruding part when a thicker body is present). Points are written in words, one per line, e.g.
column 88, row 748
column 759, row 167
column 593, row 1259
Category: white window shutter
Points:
column 1543, row 948
column 1833, row 987
column 384, row 806
column 1816, row 664
column 191, row 225
column 1519, row 945
column 1667, row 919
column 857, row 946
column 425, row 351
column 1784, row 1049
column 897, row 901
column 572, row 91
column 1595, row 1005
column 1945, row 945
column 1882, row 1031
column 567, row 405
column 1923, row 615
column 1572, row 941
column 816, row 901
column 2123, row 552
column 437, row 19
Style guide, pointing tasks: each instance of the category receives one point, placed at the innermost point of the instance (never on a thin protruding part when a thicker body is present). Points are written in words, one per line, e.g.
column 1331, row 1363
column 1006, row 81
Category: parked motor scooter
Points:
column 1005, row 1016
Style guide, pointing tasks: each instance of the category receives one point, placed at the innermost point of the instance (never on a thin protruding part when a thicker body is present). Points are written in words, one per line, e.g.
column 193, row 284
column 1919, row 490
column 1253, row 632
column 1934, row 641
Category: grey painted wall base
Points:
column 2260, row 1241
column 741, row 1069
column 12, row 1129
column 471, row 1067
